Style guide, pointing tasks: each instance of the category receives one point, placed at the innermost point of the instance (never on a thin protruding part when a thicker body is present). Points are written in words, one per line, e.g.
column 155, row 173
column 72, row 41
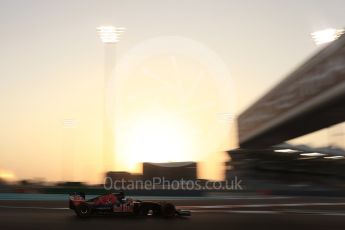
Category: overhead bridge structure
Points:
column 310, row 98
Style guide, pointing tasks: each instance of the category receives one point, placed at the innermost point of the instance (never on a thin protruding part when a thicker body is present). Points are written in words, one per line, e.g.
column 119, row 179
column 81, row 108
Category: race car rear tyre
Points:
column 143, row 211
column 83, row 210
column 168, row 210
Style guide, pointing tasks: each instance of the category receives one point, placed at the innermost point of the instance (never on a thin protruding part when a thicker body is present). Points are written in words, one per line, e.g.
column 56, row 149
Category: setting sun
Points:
column 7, row 175
column 156, row 140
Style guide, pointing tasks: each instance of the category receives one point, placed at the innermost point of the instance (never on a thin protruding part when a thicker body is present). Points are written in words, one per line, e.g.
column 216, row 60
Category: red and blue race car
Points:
column 118, row 204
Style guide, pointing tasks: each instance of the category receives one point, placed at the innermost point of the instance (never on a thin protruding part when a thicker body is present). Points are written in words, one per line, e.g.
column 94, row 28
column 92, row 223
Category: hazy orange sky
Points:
column 219, row 57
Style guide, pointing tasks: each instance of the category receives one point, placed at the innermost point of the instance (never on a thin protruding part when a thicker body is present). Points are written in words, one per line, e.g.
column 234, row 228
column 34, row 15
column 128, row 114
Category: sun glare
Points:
column 166, row 96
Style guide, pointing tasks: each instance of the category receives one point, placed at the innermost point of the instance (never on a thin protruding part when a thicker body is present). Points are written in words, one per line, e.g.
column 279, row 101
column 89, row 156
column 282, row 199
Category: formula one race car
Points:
column 117, row 204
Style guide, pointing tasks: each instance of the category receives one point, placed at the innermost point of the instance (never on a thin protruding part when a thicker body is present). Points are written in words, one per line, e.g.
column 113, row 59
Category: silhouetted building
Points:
column 68, row 184
column 170, row 171
column 121, row 175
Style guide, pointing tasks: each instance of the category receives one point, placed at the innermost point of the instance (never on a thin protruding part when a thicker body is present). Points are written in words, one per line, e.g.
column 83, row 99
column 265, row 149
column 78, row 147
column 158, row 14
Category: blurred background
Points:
column 207, row 91
column 245, row 96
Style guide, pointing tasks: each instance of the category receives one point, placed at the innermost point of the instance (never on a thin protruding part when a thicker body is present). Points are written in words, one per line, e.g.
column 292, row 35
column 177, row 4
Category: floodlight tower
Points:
column 109, row 36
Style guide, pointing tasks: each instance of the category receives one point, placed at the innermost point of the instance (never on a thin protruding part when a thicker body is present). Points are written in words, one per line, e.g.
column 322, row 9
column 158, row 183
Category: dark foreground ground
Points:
column 235, row 213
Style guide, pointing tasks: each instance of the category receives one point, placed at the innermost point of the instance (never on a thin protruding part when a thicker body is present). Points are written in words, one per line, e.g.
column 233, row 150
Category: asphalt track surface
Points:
column 236, row 213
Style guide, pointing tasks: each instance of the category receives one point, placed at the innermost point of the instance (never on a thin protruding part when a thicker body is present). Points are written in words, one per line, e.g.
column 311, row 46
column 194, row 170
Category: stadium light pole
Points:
column 109, row 36
column 68, row 149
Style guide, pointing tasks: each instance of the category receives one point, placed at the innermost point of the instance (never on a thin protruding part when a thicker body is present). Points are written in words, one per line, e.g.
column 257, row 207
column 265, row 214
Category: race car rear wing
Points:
column 76, row 198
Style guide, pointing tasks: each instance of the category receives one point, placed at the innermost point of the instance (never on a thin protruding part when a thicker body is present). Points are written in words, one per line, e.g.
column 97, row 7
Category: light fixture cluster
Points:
column 327, row 35
column 110, row 34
